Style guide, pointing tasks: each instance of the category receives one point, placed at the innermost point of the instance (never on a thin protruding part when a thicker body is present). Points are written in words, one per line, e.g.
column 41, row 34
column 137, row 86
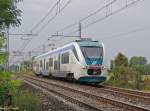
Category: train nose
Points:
column 94, row 71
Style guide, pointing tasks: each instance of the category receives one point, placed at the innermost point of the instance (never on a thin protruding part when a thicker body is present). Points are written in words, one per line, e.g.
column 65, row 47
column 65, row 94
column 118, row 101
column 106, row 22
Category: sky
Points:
column 127, row 31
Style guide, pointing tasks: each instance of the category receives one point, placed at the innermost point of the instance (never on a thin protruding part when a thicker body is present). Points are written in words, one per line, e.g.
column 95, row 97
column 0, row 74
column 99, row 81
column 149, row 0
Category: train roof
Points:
column 56, row 50
column 67, row 46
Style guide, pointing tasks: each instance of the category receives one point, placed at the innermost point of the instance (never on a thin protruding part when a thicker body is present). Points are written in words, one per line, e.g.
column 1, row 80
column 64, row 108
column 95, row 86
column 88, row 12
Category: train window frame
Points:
column 44, row 62
column 51, row 62
column 55, row 65
column 47, row 65
column 65, row 58
column 41, row 64
column 38, row 66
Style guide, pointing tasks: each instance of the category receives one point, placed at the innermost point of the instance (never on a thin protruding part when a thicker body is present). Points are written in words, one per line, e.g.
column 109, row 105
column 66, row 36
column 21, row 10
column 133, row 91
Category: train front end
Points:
column 93, row 69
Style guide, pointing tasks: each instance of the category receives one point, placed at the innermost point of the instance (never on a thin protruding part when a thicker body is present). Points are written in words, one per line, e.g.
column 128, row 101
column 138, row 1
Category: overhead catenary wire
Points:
column 44, row 26
column 95, row 12
column 52, row 18
column 88, row 16
column 112, row 13
column 120, row 35
column 107, row 15
column 40, row 22
column 44, row 18
column 94, row 22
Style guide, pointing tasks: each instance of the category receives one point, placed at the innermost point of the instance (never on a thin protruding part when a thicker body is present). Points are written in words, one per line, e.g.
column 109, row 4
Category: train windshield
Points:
column 92, row 52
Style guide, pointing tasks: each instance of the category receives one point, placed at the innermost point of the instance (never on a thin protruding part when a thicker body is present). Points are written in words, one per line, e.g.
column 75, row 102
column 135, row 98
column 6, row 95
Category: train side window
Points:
column 50, row 62
column 41, row 63
column 75, row 53
column 65, row 58
column 55, row 65
column 46, row 65
column 38, row 67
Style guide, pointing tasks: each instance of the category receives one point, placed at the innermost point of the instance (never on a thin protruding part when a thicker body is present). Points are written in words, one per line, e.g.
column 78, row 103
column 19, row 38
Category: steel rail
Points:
column 116, row 103
column 70, row 99
column 134, row 92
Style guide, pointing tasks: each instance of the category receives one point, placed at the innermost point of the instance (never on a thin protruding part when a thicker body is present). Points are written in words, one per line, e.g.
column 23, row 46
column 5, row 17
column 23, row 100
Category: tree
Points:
column 134, row 61
column 149, row 69
column 111, row 64
column 121, row 60
column 9, row 14
column 26, row 65
column 139, row 64
column 3, row 55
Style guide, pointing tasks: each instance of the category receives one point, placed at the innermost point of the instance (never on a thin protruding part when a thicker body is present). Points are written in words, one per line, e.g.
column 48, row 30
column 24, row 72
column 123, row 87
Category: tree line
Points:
column 130, row 73
column 9, row 17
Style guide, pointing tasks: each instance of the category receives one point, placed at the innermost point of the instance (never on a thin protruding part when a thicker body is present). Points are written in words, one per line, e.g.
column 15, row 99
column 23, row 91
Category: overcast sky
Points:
column 109, row 31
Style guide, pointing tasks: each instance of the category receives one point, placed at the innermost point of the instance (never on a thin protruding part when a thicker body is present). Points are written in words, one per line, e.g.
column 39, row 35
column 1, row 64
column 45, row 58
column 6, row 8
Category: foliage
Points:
column 3, row 55
column 146, row 82
column 26, row 65
column 2, row 40
column 134, row 61
column 6, row 84
column 27, row 101
column 140, row 64
column 129, row 75
column 121, row 60
column 9, row 14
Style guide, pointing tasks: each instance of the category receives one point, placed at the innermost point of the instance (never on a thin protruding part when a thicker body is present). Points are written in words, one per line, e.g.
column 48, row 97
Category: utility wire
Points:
column 115, row 12
column 88, row 16
column 42, row 28
column 40, row 22
column 51, row 19
column 127, row 33
column 43, row 19
column 107, row 15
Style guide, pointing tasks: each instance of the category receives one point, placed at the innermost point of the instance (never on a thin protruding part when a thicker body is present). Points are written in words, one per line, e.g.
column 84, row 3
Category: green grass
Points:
column 27, row 101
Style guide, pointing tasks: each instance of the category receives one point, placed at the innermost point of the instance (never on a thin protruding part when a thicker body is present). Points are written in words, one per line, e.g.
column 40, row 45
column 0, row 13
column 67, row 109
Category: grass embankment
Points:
column 132, row 80
column 27, row 101
column 24, row 100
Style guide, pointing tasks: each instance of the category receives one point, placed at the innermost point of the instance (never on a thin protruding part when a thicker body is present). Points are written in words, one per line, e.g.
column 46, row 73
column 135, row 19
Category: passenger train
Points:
column 82, row 60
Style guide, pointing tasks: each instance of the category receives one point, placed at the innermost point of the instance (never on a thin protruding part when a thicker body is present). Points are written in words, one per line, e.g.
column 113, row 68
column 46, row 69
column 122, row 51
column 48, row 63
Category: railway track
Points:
column 90, row 100
column 139, row 93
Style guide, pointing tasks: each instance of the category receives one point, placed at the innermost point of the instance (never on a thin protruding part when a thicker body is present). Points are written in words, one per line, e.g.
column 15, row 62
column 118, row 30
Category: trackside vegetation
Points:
column 10, row 94
column 131, row 73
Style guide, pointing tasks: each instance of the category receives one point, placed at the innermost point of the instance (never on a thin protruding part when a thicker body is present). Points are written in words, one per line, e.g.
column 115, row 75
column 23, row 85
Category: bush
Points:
column 7, row 87
column 125, row 77
column 146, row 83
column 27, row 101
column 5, row 82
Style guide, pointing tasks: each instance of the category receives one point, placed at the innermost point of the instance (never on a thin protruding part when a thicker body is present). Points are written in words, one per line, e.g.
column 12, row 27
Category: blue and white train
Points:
column 82, row 60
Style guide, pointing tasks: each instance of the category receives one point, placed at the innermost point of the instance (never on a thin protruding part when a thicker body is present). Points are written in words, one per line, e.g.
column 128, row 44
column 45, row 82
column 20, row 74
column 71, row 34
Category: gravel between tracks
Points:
column 49, row 101
column 101, row 92
column 93, row 102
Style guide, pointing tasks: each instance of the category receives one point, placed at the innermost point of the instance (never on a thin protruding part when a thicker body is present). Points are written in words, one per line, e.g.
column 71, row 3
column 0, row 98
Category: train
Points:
column 80, row 60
